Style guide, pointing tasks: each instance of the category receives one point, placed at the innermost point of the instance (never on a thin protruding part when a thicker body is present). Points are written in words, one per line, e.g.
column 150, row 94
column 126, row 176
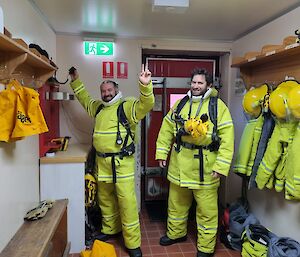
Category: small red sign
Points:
column 108, row 70
column 122, row 70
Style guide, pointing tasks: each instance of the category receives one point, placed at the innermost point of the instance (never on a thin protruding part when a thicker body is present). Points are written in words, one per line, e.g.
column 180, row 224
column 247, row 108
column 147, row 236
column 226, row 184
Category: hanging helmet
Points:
column 253, row 99
column 90, row 190
column 294, row 102
column 279, row 98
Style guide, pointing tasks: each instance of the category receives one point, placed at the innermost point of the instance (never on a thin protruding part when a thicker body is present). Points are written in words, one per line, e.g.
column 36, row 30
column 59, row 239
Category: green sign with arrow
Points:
column 98, row 48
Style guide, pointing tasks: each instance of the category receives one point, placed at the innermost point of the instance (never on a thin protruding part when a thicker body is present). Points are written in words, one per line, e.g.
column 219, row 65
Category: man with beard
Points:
column 113, row 140
column 198, row 159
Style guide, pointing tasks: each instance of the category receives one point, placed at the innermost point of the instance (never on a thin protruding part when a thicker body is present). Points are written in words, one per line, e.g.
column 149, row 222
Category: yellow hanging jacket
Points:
column 272, row 170
column 248, row 146
column 183, row 168
column 105, row 130
column 292, row 183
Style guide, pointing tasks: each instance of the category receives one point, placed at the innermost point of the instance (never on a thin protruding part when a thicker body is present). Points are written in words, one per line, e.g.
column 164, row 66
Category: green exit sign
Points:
column 98, row 48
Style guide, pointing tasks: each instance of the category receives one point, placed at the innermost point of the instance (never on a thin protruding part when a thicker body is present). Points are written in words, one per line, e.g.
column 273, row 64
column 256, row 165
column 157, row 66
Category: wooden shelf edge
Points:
column 38, row 62
column 265, row 58
column 21, row 60
column 10, row 45
column 67, row 250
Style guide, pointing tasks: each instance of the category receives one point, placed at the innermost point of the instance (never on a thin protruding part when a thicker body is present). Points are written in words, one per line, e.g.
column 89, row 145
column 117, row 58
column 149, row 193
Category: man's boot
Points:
column 202, row 254
column 104, row 237
column 135, row 252
column 165, row 240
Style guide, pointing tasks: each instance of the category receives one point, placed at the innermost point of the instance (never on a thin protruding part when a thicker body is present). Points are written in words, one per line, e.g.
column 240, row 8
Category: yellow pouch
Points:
column 29, row 117
column 85, row 253
column 102, row 249
column 8, row 110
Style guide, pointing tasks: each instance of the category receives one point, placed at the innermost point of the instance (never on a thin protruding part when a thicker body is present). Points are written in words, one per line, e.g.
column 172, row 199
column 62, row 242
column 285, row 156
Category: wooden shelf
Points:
column 17, row 61
column 271, row 67
column 43, row 237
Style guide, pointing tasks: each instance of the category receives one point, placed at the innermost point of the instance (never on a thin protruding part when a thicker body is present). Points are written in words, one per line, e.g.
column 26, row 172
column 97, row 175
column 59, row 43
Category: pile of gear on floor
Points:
column 240, row 230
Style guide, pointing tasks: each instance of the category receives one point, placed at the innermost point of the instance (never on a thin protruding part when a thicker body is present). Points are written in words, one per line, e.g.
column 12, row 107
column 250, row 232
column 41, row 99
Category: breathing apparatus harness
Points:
column 126, row 150
column 179, row 121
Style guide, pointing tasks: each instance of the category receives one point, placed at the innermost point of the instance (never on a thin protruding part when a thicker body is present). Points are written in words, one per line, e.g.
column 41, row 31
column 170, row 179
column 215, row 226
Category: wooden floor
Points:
column 153, row 230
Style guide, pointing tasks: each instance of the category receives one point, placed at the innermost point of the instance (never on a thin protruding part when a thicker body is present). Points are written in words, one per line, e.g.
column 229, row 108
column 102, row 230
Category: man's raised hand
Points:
column 145, row 75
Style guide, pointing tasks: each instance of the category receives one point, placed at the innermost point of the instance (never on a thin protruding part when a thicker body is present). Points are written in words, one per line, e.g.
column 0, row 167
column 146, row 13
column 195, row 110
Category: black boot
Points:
column 135, row 252
column 202, row 254
column 104, row 237
column 165, row 240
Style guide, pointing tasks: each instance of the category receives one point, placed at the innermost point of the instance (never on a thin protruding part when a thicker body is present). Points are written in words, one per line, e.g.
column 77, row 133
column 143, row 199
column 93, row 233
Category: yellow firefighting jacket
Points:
column 183, row 168
column 272, row 170
column 105, row 130
column 248, row 146
column 292, row 183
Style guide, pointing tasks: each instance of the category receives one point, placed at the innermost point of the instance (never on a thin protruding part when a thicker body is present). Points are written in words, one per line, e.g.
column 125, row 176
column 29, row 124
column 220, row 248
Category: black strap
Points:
column 182, row 103
column 201, row 168
column 123, row 120
column 193, row 146
column 113, row 168
column 129, row 150
column 213, row 114
column 100, row 107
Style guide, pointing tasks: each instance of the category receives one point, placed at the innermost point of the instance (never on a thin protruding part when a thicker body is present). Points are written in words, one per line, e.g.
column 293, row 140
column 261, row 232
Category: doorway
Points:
column 171, row 77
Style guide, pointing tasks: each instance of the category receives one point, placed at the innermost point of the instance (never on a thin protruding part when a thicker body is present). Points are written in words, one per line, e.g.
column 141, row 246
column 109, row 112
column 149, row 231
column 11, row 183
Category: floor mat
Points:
column 157, row 210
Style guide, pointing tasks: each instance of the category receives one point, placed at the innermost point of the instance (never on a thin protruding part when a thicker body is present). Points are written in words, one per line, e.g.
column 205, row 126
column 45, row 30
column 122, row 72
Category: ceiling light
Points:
column 171, row 3
column 170, row 6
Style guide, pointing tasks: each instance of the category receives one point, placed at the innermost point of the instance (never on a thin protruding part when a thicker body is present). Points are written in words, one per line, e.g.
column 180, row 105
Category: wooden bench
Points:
column 46, row 237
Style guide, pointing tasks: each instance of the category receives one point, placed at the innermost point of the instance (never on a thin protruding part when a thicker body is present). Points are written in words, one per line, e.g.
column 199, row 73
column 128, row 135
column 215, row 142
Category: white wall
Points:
column 274, row 212
column 19, row 172
column 74, row 121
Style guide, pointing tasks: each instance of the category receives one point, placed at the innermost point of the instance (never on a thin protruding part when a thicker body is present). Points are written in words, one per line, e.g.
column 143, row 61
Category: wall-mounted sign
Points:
column 122, row 70
column 98, row 48
column 107, row 70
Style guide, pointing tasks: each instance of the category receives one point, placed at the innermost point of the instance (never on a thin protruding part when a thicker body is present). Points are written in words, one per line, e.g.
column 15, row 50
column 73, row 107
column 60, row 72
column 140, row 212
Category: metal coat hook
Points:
column 55, row 80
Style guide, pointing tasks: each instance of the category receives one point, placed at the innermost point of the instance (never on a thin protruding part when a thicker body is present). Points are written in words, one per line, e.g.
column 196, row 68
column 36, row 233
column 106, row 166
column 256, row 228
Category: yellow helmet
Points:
column 279, row 98
column 294, row 102
column 90, row 190
column 253, row 99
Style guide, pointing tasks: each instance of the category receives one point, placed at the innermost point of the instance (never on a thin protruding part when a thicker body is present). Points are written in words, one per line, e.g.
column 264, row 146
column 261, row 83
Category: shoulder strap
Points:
column 213, row 114
column 213, row 110
column 124, row 121
column 182, row 103
column 100, row 107
column 122, row 116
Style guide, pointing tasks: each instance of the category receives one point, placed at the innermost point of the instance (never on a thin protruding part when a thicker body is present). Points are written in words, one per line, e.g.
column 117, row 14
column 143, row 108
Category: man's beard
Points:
column 198, row 92
column 108, row 98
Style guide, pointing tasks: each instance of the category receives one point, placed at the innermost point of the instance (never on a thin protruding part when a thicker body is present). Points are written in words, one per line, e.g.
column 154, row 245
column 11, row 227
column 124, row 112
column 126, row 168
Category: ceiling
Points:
column 225, row 20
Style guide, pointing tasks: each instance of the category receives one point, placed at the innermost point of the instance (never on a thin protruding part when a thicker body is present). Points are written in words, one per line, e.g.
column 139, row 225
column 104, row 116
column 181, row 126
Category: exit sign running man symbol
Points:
column 98, row 48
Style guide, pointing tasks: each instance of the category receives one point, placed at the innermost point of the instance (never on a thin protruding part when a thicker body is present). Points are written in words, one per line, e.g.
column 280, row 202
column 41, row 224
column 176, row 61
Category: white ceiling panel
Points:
column 203, row 19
